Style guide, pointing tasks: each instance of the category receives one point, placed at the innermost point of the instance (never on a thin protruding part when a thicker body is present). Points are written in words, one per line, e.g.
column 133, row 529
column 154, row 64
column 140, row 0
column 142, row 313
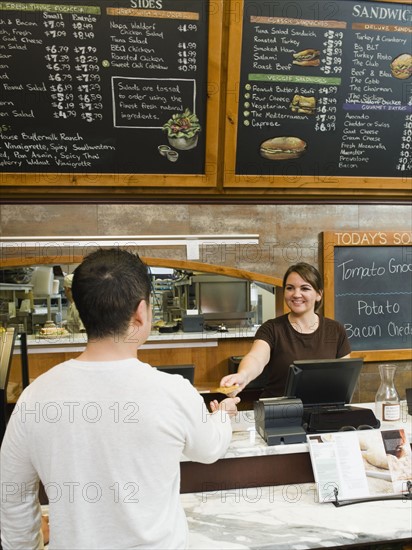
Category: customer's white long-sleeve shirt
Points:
column 106, row 439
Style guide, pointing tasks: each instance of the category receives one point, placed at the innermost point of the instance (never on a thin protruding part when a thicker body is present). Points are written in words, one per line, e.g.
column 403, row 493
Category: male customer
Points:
column 105, row 432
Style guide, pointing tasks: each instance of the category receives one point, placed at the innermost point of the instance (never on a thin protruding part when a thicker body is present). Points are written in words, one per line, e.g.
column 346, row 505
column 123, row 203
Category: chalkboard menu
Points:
column 368, row 288
column 324, row 94
column 104, row 87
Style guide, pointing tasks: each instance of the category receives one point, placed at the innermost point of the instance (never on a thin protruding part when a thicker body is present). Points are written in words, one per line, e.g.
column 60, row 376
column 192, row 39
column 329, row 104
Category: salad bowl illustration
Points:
column 183, row 130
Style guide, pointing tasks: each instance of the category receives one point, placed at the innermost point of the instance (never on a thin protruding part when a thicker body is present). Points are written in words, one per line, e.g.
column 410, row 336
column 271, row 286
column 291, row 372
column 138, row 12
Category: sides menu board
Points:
column 102, row 87
column 324, row 94
column 368, row 288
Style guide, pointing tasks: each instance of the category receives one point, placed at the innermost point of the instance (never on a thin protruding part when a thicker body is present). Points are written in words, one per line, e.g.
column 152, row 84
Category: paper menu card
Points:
column 360, row 464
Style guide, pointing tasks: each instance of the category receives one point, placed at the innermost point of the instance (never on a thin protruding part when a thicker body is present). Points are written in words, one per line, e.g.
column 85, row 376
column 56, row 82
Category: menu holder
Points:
column 316, row 100
column 361, row 465
column 405, row 496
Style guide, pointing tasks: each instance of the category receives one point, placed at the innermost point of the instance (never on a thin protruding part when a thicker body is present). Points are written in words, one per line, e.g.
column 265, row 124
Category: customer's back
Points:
column 105, row 432
column 106, row 440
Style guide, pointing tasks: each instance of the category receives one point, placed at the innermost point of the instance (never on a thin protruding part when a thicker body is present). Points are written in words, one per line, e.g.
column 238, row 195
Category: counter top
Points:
column 240, row 332
column 246, row 442
column 289, row 517
column 205, row 337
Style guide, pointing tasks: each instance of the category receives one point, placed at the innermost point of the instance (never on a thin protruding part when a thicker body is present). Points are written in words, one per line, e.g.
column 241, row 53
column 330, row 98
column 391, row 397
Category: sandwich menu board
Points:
column 324, row 93
column 103, row 87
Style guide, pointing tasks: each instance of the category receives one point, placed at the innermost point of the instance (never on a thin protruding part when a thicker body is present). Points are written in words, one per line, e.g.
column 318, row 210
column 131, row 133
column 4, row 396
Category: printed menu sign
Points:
column 103, row 87
column 359, row 465
column 325, row 89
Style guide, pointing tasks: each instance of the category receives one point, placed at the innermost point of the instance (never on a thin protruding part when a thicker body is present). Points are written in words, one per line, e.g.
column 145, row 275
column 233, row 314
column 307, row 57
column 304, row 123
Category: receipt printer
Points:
column 279, row 420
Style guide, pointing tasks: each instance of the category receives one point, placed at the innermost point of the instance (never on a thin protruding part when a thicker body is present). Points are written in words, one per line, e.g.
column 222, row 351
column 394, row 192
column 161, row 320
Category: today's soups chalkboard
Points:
column 103, row 87
column 368, row 288
column 324, row 93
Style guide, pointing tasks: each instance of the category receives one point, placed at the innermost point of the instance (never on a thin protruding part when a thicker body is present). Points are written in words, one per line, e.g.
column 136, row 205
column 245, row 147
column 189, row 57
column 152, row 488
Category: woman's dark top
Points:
column 329, row 341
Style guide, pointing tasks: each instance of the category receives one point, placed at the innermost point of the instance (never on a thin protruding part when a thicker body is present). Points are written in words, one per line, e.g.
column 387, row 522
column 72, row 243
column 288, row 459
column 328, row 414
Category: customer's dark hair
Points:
column 107, row 288
column 310, row 274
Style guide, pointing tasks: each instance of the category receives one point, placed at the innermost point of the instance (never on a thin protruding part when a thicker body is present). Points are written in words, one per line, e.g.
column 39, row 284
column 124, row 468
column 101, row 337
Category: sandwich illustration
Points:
column 283, row 148
column 401, row 66
column 307, row 58
column 303, row 104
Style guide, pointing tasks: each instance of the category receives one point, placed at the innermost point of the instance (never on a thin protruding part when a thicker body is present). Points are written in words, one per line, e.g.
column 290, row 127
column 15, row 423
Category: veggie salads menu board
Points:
column 100, row 86
column 325, row 89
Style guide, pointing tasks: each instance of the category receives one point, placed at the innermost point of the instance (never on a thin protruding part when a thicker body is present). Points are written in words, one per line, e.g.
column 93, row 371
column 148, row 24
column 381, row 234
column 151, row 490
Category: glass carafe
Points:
column 387, row 405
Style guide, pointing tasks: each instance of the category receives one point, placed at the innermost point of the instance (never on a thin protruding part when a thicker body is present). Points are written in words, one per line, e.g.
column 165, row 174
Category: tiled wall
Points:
column 287, row 233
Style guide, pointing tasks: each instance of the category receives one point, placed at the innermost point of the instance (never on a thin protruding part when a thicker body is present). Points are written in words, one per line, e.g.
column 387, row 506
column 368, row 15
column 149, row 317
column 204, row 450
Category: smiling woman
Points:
column 299, row 334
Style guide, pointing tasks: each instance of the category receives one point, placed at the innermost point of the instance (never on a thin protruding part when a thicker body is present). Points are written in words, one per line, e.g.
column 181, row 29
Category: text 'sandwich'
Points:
column 283, row 148
column 401, row 66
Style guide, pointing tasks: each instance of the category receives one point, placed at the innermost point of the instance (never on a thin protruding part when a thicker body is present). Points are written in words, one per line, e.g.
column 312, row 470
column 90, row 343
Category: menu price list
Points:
column 325, row 92
column 102, row 82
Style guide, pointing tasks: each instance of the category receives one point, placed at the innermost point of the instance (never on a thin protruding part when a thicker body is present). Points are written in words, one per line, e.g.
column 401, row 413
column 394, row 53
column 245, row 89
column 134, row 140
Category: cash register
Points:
column 325, row 388
column 317, row 397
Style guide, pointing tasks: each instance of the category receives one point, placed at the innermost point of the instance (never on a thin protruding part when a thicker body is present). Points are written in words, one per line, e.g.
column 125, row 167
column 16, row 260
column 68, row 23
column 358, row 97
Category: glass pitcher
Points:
column 387, row 403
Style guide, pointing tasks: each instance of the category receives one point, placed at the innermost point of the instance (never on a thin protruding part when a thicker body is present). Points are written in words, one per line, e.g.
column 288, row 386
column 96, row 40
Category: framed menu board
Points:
column 320, row 95
column 95, row 92
column 368, row 288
